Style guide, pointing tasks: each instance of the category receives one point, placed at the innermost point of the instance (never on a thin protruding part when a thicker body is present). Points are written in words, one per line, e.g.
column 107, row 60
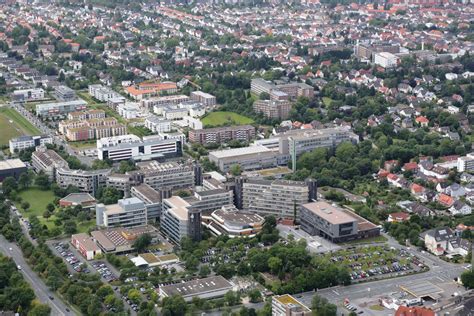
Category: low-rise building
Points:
column 287, row 305
column 130, row 212
column 120, row 240
column 85, row 200
column 64, row 93
column 334, row 223
column 28, row 95
column 229, row 221
column 24, row 142
column 219, row 135
column 85, row 245
column 12, row 168
column 443, row 241
column 207, row 288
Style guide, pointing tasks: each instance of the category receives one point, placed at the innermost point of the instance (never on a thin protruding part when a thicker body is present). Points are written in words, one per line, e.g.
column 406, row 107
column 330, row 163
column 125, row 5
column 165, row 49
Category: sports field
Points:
column 12, row 125
column 221, row 118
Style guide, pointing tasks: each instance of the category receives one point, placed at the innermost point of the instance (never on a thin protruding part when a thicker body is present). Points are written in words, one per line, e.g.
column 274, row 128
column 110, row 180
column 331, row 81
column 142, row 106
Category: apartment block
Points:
column 386, row 59
column 64, row 93
column 157, row 124
column 165, row 100
column 205, row 98
column 59, row 109
column 129, row 212
column 86, row 115
column 222, row 134
column 466, row 163
column 94, row 128
column 273, row 109
column 285, row 91
column 24, row 142
column 103, row 94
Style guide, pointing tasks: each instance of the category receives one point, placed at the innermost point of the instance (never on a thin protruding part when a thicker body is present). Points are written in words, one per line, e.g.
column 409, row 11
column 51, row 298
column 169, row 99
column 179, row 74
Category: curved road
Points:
column 41, row 290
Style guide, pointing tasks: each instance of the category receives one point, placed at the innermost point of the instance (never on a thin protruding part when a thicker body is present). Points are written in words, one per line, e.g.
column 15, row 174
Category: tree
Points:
column 24, row 181
column 467, row 278
column 25, row 205
column 46, row 214
column 321, row 307
column 173, row 306
column 40, row 310
column 134, row 296
column 204, row 271
column 50, row 207
column 70, row 227
column 275, row 264
column 142, row 242
column 42, row 181
column 236, row 170
column 8, row 185
column 232, row 298
column 255, row 296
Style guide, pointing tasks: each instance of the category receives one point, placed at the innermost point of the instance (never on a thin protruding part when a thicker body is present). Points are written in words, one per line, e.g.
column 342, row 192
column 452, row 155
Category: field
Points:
column 17, row 127
column 221, row 118
column 38, row 200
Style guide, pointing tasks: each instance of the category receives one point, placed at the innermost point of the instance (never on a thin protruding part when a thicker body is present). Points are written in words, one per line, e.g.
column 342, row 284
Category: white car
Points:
column 18, row 267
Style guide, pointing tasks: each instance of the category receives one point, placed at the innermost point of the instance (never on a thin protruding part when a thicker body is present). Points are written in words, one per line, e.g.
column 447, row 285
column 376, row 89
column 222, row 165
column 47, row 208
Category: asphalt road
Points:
column 41, row 290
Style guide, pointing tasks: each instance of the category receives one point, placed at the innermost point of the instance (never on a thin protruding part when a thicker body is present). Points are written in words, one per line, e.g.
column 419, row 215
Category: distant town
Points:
column 311, row 157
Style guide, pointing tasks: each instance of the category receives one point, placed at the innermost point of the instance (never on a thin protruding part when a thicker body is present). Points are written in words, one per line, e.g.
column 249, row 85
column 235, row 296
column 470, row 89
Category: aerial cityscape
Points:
column 236, row 157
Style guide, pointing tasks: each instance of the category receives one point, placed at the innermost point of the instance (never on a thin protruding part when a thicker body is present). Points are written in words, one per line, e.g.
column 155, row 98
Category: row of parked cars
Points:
column 70, row 258
column 132, row 304
column 394, row 268
column 104, row 271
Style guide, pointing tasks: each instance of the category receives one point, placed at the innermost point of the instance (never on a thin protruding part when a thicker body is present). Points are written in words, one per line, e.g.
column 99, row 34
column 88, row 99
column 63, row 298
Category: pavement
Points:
column 58, row 307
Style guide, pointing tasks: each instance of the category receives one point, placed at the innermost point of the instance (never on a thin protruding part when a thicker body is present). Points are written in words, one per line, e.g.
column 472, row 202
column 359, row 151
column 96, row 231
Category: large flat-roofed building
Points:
column 11, row 168
column 207, row 288
column 229, row 221
column 179, row 220
column 284, row 91
column 120, row 239
column 219, row 135
column 335, row 223
column 24, row 142
column 249, row 158
column 87, row 181
column 273, row 109
column 273, row 197
column 169, row 175
column 151, row 198
column 85, row 245
column 28, row 94
column 157, row 124
column 386, row 59
column 48, row 161
column 103, row 94
column 160, row 101
column 81, row 126
column 207, row 201
column 205, row 98
column 287, row 305
column 130, row 146
column 129, row 212
column 60, row 109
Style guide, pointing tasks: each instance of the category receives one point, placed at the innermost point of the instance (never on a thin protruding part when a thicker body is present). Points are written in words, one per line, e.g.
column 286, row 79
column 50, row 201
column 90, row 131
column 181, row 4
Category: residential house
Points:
column 443, row 241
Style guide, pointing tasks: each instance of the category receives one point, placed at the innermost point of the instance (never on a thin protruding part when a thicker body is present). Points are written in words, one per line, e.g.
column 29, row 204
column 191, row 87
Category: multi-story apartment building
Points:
column 170, row 175
column 280, row 198
column 386, row 59
column 273, row 109
column 24, row 142
column 86, row 115
column 129, row 212
column 64, row 93
column 48, row 161
column 284, row 91
column 133, row 147
column 205, row 98
column 466, row 163
column 222, row 134
column 95, row 128
column 157, row 124
column 87, row 181
column 103, row 94
column 59, row 109
column 165, row 100
column 259, row 85
column 179, row 220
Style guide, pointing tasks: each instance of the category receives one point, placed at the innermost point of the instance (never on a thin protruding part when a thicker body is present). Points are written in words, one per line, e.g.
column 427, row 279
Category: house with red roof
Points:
column 414, row 311
column 445, row 200
column 423, row 121
column 410, row 166
column 398, row 217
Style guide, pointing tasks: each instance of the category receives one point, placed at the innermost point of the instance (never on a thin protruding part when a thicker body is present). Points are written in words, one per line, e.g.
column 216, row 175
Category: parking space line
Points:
column 336, row 293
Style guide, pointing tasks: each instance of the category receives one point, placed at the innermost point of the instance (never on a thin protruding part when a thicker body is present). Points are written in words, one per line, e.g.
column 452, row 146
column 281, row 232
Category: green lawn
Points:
column 378, row 239
column 8, row 130
column 327, row 101
column 12, row 125
column 38, row 200
column 221, row 118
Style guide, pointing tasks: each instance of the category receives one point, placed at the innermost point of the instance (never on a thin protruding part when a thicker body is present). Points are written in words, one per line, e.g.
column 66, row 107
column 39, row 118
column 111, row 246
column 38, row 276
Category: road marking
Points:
column 440, row 279
column 336, row 292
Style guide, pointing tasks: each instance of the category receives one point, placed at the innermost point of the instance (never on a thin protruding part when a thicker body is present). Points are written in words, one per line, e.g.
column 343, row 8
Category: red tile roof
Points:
column 414, row 311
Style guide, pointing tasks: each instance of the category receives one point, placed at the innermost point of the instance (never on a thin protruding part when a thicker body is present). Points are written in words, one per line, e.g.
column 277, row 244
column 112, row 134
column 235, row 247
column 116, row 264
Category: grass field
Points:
column 221, row 118
column 38, row 200
column 12, row 124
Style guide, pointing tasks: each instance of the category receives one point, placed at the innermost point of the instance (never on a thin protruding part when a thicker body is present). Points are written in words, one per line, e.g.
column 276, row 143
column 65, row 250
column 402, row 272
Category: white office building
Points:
column 466, row 163
column 386, row 59
column 24, row 142
column 129, row 212
column 157, row 124
column 133, row 147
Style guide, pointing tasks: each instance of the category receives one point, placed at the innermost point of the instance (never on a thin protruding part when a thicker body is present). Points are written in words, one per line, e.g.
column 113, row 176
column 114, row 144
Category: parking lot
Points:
column 376, row 262
column 315, row 244
column 72, row 259
column 104, row 271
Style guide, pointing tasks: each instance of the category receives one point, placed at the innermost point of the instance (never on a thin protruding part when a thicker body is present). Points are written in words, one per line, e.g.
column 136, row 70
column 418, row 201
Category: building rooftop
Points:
column 86, row 241
column 197, row 287
column 179, row 206
column 331, row 213
column 228, row 153
column 79, row 198
column 11, row 164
